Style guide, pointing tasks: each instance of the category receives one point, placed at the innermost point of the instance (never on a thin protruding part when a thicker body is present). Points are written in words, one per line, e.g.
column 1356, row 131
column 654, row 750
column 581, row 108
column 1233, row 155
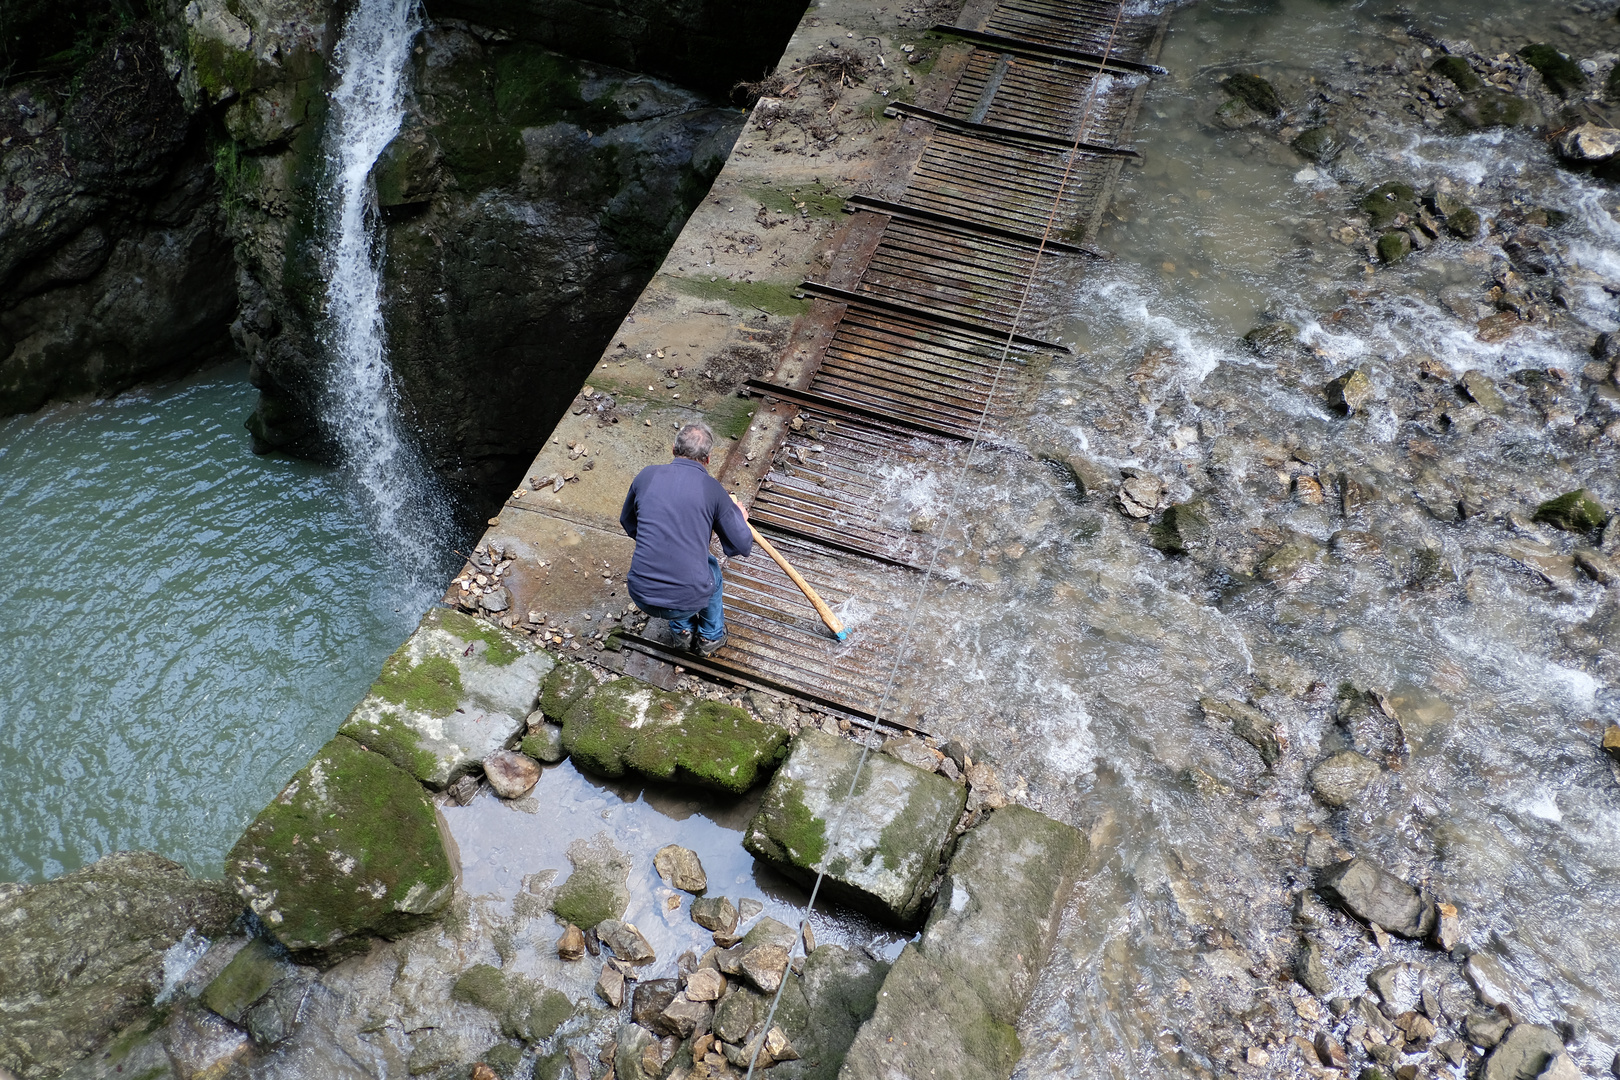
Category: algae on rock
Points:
column 350, row 847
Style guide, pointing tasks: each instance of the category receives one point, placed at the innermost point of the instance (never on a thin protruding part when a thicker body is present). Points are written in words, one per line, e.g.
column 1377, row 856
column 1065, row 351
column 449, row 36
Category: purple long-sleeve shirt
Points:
column 669, row 512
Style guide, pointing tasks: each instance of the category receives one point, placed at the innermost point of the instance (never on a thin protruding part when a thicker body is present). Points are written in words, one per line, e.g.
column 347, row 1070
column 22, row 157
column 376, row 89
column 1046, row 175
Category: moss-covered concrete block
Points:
column 893, row 835
column 351, row 847
column 247, row 978
column 455, row 692
column 626, row 726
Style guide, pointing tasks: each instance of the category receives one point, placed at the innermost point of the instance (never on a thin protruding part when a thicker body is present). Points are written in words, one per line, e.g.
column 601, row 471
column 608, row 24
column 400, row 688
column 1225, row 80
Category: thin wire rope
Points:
column 904, row 644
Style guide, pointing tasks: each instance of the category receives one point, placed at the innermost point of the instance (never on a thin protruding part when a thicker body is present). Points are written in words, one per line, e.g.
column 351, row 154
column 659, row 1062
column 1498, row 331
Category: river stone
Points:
column 1254, row 92
column 596, row 890
column 1392, row 248
column 705, row 984
column 544, row 740
column 1351, row 392
column 627, row 942
column 1491, row 982
column 763, row 965
column 683, row 1016
column 1248, row 724
column 894, row 830
column 1492, row 108
column 1477, row 387
column 247, row 978
column 1184, row 528
column 1561, row 74
column 626, row 726
column 1340, row 779
column 1587, row 143
column 527, row 1010
column 1611, row 742
column 1527, row 1050
column 1373, row 895
column 629, row 1050
column 350, row 847
column 511, row 774
column 650, row 999
column 913, row 752
column 81, row 956
column 1320, row 144
column 1574, row 511
column 439, row 709
column 1390, row 205
column 566, row 684
column 1457, row 70
column 680, row 868
column 716, row 913
column 1310, row 972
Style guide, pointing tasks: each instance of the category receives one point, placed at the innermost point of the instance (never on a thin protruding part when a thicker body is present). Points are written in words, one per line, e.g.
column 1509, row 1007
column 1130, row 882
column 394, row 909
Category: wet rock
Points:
column 763, row 965
column 1447, row 927
column 1311, row 973
column 1490, row 108
column 1588, row 144
column 1390, row 205
column 1330, row 1053
column 680, row 869
column 1457, row 70
column 350, row 847
column 628, row 943
column 714, row 913
column 1393, row 247
column 895, row 828
column 247, row 978
column 1320, row 144
column 1562, row 1067
column 1373, row 725
column 571, row 946
column 1599, row 568
column 1090, row 478
column 1486, row 1029
column 1491, row 982
column 629, row 1052
column 1477, row 387
column 1350, row 392
column 511, row 774
column 450, row 696
column 626, row 726
column 1341, row 779
column 1184, row 529
column 81, row 955
column 1573, row 511
column 544, row 741
column 705, row 984
column 1293, row 564
column 1463, row 223
column 1611, row 742
column 736, row 1015
column 650, row 999
column 984, row 788
column 526, row 1009
column 1562, row 75
column 1140, row 493
column 596, row 889
column 1273, row 338
column 748, row 907
column 433, row 1050
column 683, row 1016
column 913, row 752
column 1523, row 1054
column 1248, row 724
column 610, row 984
column 1253, row 91
column 275, row 1015
column 1373, row 895
column 563, row 689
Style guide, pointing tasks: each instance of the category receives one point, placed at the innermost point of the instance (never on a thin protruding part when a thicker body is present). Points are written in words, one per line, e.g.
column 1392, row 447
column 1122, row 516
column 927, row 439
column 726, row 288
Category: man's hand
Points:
column 740, row 507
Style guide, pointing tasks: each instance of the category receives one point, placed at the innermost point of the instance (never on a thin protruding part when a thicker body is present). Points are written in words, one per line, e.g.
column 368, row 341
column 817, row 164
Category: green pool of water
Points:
column 181, row 624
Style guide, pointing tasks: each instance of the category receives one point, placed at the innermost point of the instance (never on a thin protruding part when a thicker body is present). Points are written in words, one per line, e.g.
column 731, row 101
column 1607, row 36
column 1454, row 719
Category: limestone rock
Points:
column 626, row 726
column 1562, row 1067
column 763, row 965
column 627, row 942
column 596, row 890
column 680, row 868
column 1342, row 778
column 1350, row 392
column 610, row 986
column 1140, row 493
column 650, row 999
column 81, row 955
column 1373, row 895
column 913, row 752
column 894, row 832
column 350, row 847
column 705, row 984
column 984, row 788
column 1523, row 1054
column 247, row 978
column 1248, row 724
column 439, row 709
column 715, row 913
column 511, row 774
column 1447, row 927
column 737, row 1013
column 682, row 1016
column 571, row 946
column 544, row 740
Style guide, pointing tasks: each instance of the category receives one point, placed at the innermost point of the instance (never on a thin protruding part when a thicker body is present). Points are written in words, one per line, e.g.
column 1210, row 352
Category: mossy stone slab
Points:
column 247, row 978
column 893, row 833
column 454, row 693
column 627, row 727
column 527, row 1010
column 351, row 847
column 566, row 684
column 1000, row 904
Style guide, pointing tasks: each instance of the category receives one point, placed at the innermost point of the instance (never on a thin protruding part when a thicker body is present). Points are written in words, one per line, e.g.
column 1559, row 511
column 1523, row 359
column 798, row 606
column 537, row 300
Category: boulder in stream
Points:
column 1588, row 144
column 627, row 727
column 596, row 890
column 350, row 847
column 454, row 693
column 1573, row 511
column 511, row 774
column 1373, row 895
column 1340, row 780
column 1524, row 1054
column 82, row 955
column 526, row 1009
column 1561, row 74
column 894, row 829
column 680, row 868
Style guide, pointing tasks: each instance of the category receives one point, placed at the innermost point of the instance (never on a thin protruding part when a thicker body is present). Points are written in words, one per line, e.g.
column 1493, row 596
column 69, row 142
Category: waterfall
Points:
column 400, row 497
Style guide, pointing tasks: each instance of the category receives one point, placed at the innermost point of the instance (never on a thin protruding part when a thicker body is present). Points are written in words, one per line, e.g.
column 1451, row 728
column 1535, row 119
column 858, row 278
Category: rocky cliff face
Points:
column 114, row 265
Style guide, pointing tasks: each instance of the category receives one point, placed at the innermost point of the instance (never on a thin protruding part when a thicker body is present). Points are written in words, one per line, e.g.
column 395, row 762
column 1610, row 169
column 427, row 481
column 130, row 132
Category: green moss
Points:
column 590, row 895
column 221, row 68
column 1254, row 92
column 1463, row 223
column 815, row 202
column 535, row 1012
column 1385, row 204
column 1573, row 511
column 246, row 979
column 481, row 156
column 482, row 985
column 432, row 686
column 730, row 415
column 238, row 174
column 776, row 298
column 389, row 735
column 566, row 684
column 503, row 1058
column 535, row 87
column 1491, row 108
column 1393, row 247
column 1561, row 74
column 1457, row 70
column 502, row 648
column 1320, row 144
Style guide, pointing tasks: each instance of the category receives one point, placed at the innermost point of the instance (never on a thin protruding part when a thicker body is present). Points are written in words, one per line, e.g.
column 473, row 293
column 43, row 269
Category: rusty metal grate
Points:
column 1010, row 185
column 1082, row 25
column 1037, row 97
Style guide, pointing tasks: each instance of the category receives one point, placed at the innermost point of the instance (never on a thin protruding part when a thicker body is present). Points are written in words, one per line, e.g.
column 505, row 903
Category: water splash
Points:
column 400, row 497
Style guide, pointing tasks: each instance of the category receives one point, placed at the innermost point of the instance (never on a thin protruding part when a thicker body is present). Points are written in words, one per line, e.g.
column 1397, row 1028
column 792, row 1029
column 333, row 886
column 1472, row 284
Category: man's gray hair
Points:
column 694, row 441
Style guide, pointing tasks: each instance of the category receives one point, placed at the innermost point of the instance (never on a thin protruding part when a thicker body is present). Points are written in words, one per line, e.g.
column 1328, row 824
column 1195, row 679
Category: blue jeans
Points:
column 710, row 621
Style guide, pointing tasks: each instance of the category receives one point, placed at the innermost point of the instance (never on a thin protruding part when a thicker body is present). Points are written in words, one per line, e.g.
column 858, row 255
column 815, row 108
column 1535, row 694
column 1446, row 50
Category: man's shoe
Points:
column 710, row 646
column 681, row 639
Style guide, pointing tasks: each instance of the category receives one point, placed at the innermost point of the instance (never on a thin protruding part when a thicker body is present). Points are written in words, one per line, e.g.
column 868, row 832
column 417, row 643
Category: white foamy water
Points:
column 399, row 495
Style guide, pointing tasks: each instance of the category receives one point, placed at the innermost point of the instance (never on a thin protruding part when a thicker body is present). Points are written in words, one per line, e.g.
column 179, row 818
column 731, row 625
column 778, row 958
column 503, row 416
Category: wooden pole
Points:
column 820, row 605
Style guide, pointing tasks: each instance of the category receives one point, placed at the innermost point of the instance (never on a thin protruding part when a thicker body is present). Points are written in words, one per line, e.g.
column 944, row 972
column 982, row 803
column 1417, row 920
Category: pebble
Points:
column 511, row 774
column 705, row 984
column 610, row 986
column 628, row 943
column 571, row 946
column 715, row 913
column 680, row 868
column 763, row 966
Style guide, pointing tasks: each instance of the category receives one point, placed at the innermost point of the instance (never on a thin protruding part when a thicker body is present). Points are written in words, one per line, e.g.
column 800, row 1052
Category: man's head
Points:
column 694, row 441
